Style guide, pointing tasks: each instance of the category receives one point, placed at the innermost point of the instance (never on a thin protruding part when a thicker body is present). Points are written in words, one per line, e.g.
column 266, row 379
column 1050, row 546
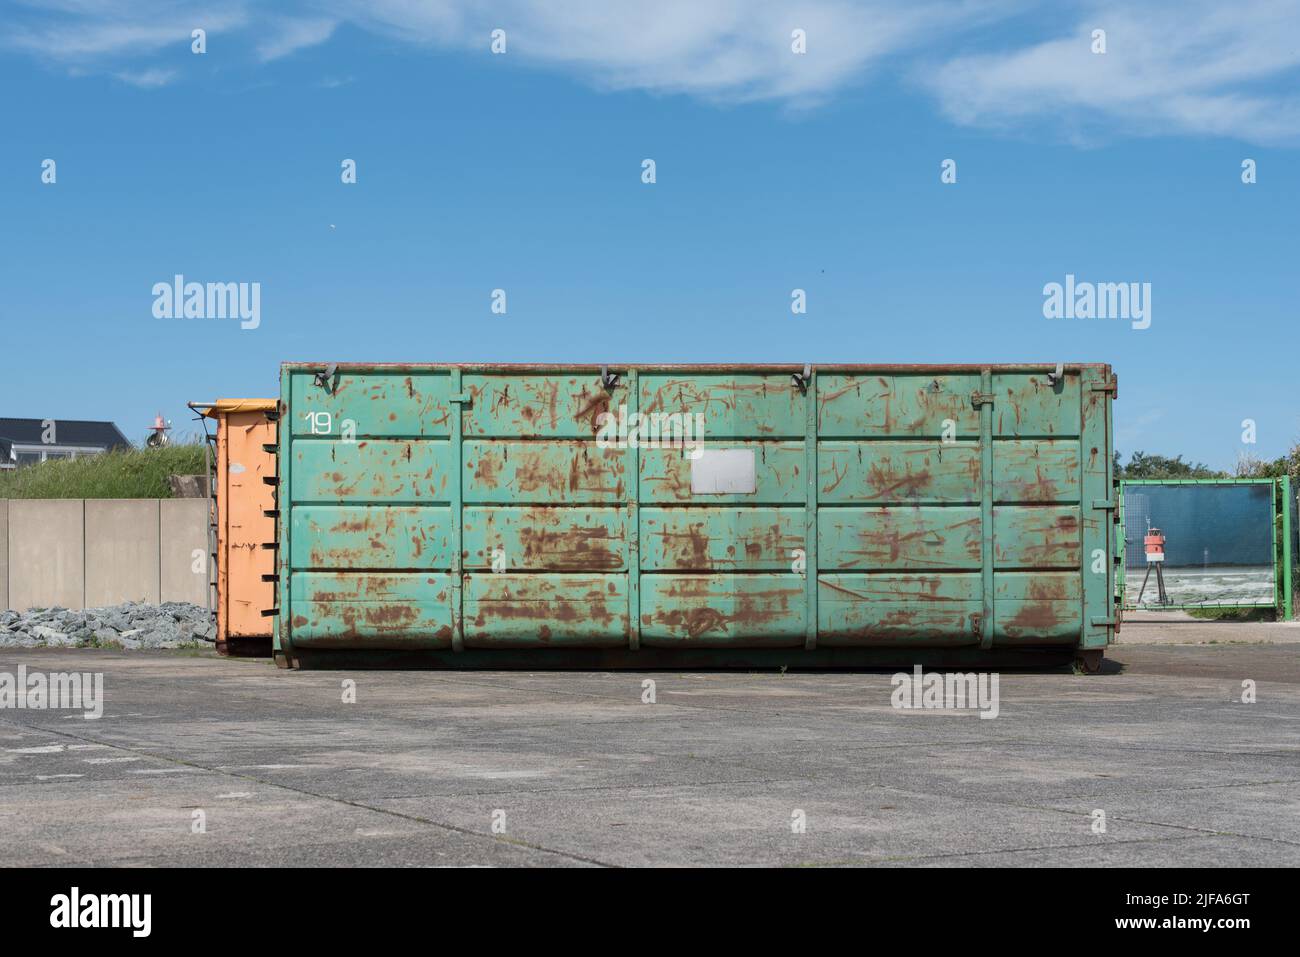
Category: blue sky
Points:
column 775, row 171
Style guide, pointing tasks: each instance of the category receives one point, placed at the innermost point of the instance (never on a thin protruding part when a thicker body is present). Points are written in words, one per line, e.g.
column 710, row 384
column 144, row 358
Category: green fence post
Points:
column 1288, row 584
column 1121, row 547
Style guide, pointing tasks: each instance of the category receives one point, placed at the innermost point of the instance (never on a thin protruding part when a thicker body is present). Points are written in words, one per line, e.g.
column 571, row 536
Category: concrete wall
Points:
column 4, row 553
column 47, row 557
column 184, row 552
column 75, row 553
column 122, row 551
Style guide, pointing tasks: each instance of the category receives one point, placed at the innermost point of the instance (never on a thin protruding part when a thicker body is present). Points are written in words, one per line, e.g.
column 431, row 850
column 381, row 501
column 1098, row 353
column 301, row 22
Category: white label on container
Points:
column 723, row 472
column 236, row 468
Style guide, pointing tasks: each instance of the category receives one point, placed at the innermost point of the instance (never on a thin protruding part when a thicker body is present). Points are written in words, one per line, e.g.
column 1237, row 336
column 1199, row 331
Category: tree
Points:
column 1248, row 466
column 1150, row 466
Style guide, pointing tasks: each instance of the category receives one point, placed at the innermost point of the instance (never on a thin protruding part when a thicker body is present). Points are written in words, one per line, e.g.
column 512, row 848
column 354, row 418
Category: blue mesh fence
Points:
column 1219, row 542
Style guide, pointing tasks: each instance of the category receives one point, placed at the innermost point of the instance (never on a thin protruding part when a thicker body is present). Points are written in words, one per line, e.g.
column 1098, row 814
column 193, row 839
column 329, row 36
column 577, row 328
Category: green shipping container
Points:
column 664, row 515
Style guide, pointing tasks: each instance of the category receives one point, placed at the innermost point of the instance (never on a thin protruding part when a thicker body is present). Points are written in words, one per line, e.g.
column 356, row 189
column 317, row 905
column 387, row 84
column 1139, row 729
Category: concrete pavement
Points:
column 1180, row 628
column 560, row 769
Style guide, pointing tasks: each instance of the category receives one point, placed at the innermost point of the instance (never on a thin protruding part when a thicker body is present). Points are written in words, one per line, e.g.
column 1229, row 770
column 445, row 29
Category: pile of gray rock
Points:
column 132, row 625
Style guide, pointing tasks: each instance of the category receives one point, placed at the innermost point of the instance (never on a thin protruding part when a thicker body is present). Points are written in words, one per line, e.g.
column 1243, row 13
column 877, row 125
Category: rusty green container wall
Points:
column 891, row 507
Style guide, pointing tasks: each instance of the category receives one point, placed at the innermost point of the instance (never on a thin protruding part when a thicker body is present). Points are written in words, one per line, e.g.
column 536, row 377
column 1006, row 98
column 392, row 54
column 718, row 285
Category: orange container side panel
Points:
column 242, row 525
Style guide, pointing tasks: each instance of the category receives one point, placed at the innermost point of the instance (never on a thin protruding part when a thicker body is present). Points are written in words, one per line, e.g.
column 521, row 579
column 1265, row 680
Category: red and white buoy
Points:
column 1154, row 544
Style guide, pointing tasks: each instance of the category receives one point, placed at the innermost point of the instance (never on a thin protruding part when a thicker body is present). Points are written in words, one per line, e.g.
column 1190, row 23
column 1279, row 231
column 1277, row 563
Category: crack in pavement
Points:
column 418, row 819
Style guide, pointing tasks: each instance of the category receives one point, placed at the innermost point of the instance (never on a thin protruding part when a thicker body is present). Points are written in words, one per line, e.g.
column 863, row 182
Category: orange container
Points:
column 240, row 503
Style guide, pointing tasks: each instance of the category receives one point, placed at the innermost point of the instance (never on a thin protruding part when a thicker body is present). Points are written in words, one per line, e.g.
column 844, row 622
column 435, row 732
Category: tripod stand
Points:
column 1162, row 597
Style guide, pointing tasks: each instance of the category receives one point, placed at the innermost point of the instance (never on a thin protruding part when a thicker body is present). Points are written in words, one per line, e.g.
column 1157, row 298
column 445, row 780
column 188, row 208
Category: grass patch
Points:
column 1233, row 614
column 93, row 642
column 194, row 649
column 134, row 473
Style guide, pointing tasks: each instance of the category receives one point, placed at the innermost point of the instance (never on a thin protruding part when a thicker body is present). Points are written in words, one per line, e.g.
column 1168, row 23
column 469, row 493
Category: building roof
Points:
column 78, row 432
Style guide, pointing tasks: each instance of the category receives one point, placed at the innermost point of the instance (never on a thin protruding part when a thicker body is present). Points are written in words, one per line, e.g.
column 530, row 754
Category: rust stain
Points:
column 695, row 610
column 694, row 621
column 551, row 399
column 1045, row 609
column 533, row 473
column 591, row 408
column 555, row 612
column 839, row 477
column 834, row 586
column 550, row 542
column 885, row 482
column 485, row 471
column 361, row 617
column 501, row 399
column 888, row 543
column 687, row 548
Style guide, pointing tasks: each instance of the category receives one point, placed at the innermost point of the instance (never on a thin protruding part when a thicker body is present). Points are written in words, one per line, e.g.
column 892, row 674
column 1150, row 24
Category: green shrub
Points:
column 1233, row 614
column 134, row 473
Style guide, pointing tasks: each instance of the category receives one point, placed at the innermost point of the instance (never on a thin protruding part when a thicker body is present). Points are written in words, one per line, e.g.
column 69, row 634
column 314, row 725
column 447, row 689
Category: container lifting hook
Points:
column 326, row 379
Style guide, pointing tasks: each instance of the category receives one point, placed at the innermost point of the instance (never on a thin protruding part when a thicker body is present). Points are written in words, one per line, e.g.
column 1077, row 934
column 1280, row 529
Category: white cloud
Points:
column 1172, row 66
column 736, row 50
column 721, row 50
column 1131, row 431
column 289, row 36
column 86, row 33
column 1187, row 67
column 147, row 79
